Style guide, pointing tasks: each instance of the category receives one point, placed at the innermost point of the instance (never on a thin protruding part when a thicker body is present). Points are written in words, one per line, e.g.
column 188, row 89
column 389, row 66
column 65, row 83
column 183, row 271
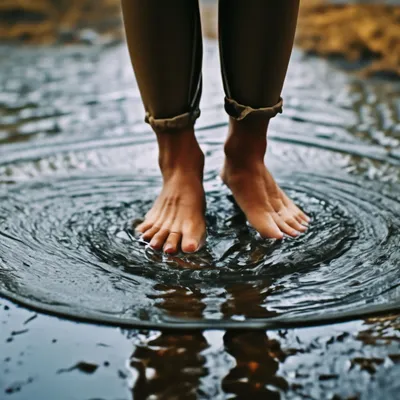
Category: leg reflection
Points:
column 257, row 362
column 257, row 357
column 179, row 301
column 169, row 367
column 248, row 300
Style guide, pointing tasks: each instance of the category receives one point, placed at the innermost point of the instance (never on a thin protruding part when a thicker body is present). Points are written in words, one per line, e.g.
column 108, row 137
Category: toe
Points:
column 293, row 223
column 158, row 240
column 304, row 217
column 300, row 219
column 193, row 237
column 284, row 227
column 289, row 218
column 144, row 226
column 300, row 215
column 148, row 235
column 172, row 243
column 189, row 245
column 266, row 227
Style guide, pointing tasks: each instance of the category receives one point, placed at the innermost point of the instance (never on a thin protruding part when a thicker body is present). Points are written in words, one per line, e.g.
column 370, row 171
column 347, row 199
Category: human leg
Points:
column 164, row 41
column 256, row 40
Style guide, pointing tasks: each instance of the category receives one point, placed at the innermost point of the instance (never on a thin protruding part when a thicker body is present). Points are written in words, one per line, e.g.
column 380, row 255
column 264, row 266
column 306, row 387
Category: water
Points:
column 68, row 244
column 78, row 165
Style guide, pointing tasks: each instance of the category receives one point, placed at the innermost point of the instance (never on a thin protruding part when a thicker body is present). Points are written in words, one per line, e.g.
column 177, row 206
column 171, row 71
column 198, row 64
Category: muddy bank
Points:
column 354, row 31
column 52, row 21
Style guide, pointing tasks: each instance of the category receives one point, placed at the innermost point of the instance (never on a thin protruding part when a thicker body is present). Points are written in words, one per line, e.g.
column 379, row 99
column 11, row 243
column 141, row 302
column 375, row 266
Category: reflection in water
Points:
column 173, row 366
column 247, row 301
column 238, row 301
column 256, row 357
column 342, row 360
column 257, row 362
column 381, row 330
column 169, row 366
column 179, row 301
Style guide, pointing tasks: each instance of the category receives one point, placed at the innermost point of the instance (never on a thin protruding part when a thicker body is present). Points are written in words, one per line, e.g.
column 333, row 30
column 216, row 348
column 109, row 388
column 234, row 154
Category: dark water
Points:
column 77, row 165
column 67, row 244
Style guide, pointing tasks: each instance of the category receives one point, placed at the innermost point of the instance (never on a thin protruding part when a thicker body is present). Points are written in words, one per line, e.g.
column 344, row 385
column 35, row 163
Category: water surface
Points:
column 78, row 165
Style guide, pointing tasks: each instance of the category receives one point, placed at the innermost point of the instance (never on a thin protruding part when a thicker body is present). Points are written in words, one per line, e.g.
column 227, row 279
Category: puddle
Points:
column 78, row 165
column 68, row 243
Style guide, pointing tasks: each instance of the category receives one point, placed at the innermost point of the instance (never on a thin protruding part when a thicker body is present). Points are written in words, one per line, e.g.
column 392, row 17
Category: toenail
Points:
column 169, row 249
column 272, row 238
column 191, row 248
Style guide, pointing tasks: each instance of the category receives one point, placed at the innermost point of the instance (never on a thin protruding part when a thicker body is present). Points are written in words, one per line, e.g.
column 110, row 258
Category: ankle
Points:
column 179, row 154
column 246, row 143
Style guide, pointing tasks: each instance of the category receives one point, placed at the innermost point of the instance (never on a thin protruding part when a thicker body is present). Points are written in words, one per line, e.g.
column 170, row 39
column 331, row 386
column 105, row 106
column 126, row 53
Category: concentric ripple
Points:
column 67, row 247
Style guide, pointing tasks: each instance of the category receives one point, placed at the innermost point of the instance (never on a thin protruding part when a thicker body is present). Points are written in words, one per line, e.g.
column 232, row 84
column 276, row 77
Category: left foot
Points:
column 176, row 221
column 267, row 208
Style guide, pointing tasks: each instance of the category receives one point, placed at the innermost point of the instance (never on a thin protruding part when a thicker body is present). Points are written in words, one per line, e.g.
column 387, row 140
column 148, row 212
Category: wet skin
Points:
column 267, row 208
column 177, row 222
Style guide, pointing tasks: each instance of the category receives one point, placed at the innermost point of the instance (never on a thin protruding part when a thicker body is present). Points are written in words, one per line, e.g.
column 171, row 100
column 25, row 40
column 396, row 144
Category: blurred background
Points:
column 367, row 30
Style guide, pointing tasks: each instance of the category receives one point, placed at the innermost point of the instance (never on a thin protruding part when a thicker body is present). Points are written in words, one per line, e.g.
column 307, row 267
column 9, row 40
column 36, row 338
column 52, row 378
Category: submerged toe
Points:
column 266, row 227
column 171, row 245
column 158, row 240
column 148, row 235
column 193, row 238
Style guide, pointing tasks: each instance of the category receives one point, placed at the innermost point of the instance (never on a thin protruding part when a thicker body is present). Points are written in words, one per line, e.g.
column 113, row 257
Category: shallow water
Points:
column 77, row 165
column 68, row 244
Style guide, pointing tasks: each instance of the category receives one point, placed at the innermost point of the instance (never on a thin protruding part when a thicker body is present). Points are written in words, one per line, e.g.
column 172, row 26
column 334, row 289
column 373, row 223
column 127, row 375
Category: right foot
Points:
column 176, row 221
column 267, row 208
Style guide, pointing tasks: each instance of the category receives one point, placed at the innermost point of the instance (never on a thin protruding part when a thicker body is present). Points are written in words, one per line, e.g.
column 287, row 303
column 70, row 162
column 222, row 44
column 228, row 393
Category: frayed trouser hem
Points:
column 175, row 123
column 239, row 111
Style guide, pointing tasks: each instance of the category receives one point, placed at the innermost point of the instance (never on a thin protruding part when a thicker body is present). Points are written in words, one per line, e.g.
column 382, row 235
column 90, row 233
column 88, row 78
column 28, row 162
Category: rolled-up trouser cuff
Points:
column 170, row 124
column 239, row 111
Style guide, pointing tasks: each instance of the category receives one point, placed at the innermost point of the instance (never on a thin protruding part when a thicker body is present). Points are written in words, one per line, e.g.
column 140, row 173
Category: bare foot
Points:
column 267, row 208
column 176, row 220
